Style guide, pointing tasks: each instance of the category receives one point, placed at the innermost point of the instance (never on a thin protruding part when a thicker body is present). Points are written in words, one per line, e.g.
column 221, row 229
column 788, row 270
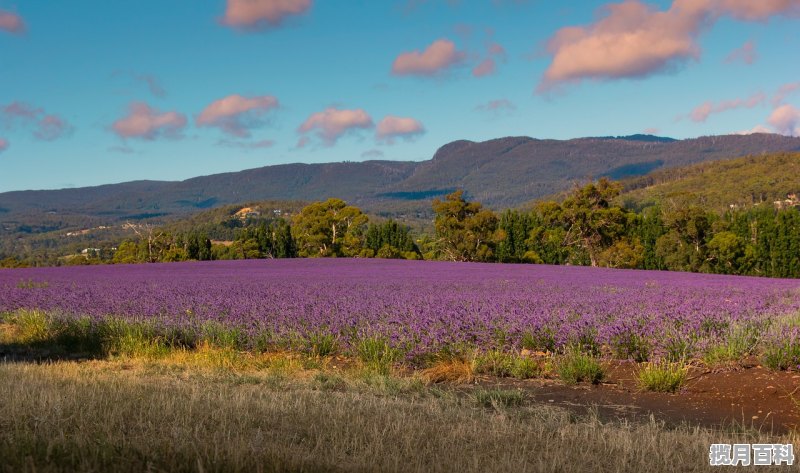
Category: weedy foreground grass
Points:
column 133, row 417
column 213, row 408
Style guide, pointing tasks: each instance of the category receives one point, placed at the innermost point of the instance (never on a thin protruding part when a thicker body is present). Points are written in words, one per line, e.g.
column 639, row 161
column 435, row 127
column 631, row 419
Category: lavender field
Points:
column 421, row 308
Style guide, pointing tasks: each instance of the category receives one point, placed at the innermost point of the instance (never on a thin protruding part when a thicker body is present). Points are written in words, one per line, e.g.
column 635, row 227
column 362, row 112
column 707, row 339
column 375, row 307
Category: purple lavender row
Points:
column 420, row 306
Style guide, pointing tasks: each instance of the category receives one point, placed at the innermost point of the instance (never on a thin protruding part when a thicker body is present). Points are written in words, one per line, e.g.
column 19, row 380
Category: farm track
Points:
column 748, row 396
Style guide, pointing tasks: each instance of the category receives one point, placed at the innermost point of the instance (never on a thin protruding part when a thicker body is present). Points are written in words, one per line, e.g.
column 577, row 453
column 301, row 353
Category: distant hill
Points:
column 504, row 172
column 718, row 185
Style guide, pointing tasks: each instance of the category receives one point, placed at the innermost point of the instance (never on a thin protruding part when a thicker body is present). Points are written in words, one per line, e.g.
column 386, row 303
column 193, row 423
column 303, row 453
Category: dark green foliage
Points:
column 198, row 247
column 390, row 237
column 514, row 230
column 464, row 230
column 329, row 228
column 265, row 240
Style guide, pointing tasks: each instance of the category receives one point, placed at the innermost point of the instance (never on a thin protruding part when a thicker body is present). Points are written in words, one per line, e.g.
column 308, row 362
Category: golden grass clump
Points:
column 449, row 371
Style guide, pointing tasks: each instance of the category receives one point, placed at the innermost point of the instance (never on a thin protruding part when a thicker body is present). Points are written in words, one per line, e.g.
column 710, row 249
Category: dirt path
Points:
column 753, row 397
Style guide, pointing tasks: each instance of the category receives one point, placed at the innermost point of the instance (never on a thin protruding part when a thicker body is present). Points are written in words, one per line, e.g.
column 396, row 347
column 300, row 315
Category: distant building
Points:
column 790, row 201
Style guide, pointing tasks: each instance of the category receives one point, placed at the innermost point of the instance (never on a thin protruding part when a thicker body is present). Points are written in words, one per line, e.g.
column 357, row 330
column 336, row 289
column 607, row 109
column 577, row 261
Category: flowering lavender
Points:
column 420, row 306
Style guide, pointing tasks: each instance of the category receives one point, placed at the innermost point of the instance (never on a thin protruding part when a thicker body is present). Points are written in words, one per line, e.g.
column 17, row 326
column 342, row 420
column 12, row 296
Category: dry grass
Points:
column 450, row 371
column 216, row 409
column 134, row 416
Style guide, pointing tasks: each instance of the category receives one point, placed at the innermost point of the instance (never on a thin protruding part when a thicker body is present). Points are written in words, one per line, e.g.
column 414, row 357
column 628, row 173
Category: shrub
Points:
column 679, row 348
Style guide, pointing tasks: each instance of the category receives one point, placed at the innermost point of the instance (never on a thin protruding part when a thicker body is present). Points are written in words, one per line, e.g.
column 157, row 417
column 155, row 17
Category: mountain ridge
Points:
column 502, row 172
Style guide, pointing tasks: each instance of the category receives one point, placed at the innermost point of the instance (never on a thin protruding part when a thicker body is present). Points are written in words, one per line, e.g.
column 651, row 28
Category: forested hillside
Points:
column 719, row 185
column 736, row 215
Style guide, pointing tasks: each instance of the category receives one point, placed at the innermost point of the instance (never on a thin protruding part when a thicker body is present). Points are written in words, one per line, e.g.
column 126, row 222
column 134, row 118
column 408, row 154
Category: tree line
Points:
column 587, row 228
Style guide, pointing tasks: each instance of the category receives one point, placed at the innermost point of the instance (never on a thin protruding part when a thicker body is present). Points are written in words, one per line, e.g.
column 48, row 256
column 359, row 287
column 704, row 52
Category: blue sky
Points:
column 92, row 92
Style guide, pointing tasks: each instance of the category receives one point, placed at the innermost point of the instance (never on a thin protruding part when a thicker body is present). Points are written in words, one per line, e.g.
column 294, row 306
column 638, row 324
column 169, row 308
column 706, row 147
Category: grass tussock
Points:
column 663, row 376
column 499, row 398
column 575, row 366
column 456, row 371
column 507, row 365
column 377, row 354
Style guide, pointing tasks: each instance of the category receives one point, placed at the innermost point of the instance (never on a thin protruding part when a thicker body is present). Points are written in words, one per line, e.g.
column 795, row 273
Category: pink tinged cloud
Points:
column 702, row 112
column 332, row 123
column 786, row 120
column 44, row 126
column 484, row 68
column 236, row 115
column 435, row 59
column 3, row 144
column 147, row 123
column 634, row 40
column 392, row 127
column 262, row 14
column 247, row 145
column 784, row 91
column 746, row 53
column 496, row 49
column 497, row 105
column 51, row 127
column 754, row 10
column 21, row 110
column 489, row 65
column 11, row 23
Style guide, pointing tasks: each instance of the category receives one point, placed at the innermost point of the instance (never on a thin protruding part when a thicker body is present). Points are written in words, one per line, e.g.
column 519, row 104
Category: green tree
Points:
column 682, row 247
column 623, row 253
column 390, row 240
column 726, row 252
column 128, row 252
column 464, row 230
column 513, row 231
column 283, row 244
column 591, row 221
column 329, row 228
